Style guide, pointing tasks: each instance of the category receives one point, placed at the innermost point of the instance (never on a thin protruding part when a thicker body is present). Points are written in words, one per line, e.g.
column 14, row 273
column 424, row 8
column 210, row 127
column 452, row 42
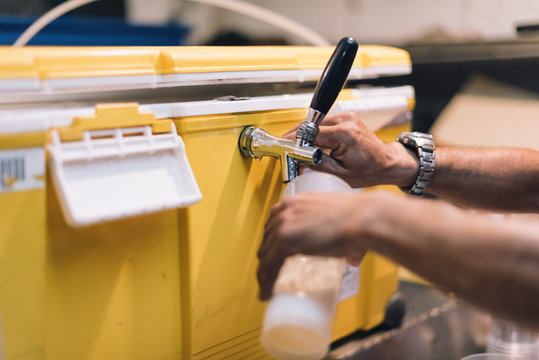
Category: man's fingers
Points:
column 271, row 253
column 275, row 210
column 339, row 118
column 328, row 121
column 270, row 229
column 331, row 120
column 329, row 137
column 330, row 165
column 268, row 270
column 291, row 134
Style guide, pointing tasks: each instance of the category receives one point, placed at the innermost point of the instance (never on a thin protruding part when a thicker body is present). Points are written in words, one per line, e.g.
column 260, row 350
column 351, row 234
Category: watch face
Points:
column 407, row 139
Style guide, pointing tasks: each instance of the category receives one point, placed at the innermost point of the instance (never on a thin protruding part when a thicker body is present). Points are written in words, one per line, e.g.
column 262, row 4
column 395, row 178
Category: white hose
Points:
column 47, row 18
column 241, row 7
column 270, row 17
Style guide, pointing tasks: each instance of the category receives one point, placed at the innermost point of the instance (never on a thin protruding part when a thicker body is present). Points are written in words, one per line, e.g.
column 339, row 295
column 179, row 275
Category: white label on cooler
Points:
column 22, row 169
column 350, row 282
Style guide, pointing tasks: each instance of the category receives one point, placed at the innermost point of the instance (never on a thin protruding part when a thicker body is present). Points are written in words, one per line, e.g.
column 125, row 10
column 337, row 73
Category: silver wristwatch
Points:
column 424, row 145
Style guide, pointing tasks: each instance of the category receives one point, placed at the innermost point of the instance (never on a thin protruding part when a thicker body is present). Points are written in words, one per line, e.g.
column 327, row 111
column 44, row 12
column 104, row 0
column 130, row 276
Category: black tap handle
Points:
column 334, row 76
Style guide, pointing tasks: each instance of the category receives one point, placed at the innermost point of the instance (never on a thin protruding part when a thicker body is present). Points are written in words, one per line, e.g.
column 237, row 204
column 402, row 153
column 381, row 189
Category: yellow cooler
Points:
column 130, row 220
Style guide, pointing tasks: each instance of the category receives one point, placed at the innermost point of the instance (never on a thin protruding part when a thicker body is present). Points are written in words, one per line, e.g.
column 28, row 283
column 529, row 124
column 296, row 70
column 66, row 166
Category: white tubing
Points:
column 241, row 7
column 270, row 17
column 47, row 18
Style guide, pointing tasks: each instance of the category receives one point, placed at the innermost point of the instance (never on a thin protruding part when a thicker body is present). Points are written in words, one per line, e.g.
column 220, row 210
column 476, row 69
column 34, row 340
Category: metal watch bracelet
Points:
column 423, row 144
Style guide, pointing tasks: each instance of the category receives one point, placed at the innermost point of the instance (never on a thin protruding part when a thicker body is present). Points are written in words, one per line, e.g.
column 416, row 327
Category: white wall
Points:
column 497, row 18
column 375, row 21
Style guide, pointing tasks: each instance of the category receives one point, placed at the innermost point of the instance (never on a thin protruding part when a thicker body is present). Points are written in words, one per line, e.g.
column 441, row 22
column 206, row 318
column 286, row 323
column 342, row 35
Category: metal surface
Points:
column 423, row 144
column 308, row 129
column 435, row 327
column 525, row 48
column 255, row 142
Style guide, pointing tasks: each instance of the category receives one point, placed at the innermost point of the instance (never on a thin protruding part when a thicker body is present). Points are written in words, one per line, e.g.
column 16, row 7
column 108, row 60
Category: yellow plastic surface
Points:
column 109, row 116
column 174, row 285
column 112, row 290
column 79, row 62
column 224, row 231
column 22, row 274
column 22, row 140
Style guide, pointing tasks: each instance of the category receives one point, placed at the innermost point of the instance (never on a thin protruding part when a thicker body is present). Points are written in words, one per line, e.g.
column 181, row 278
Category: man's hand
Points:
column 359, row 157
column 327, row 224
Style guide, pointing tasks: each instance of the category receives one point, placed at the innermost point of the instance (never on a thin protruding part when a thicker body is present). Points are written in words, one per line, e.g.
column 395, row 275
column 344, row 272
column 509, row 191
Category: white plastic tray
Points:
column 119, row 173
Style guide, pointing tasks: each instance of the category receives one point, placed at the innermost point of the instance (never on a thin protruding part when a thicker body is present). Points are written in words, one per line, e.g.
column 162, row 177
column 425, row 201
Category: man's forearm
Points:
column 505, row 179
column 497, row 179
column 490, row 263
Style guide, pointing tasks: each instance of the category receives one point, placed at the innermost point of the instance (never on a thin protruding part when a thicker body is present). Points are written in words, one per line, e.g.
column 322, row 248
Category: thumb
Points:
column 355, row 260
column 291, row 134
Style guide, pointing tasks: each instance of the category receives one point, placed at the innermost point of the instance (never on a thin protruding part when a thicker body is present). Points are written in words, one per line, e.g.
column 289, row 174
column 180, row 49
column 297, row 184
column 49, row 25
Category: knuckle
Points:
column 346, row 131
column 287, row 202
column 283, row 217
column 346, row 126
column 349, row 116
column 350, row 126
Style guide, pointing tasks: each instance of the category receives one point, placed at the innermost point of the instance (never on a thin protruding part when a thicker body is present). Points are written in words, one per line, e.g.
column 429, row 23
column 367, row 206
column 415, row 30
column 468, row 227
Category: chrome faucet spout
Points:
column 255, row 142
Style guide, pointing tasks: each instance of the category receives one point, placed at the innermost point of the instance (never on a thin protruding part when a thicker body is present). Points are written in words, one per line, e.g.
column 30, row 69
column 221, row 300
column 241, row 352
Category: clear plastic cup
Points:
column 299, row 316
column 488, row 356
column 506, row 338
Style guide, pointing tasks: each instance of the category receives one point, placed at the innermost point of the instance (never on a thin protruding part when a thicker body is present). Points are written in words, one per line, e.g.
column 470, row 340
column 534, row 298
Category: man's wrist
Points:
column 374, row 219
column 403, row 167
